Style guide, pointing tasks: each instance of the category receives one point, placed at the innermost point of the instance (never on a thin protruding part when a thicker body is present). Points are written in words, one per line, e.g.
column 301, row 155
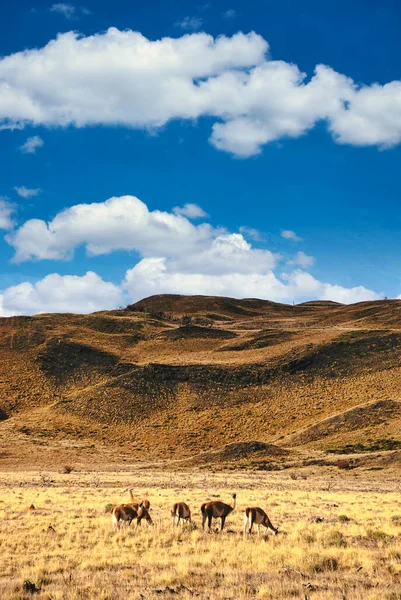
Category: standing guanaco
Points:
column 216, row 510
column 134, row 500
column 180, row 511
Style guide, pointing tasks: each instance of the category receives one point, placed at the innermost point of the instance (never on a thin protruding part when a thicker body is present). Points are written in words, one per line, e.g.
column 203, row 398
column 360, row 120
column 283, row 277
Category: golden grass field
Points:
column 340, row 537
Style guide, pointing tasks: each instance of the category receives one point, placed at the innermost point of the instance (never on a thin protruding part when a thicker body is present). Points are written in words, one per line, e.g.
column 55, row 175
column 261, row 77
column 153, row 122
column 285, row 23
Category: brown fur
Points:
column 254, row 514
column 216, row 510
column 129, row 512
column 180, row 511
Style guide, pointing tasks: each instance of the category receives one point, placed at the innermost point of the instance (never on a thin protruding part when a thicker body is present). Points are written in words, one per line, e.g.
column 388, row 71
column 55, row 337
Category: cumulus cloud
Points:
column 253, row 99
column 25, row 192
column 288, row 234
column 89, row 293
column 229, row 14
column 158, row 275
column 6, row 211
column 301, row 259
column 32, row 144
column 192, row 211
column 123, row 223
column 57, row 293
column 176, row 256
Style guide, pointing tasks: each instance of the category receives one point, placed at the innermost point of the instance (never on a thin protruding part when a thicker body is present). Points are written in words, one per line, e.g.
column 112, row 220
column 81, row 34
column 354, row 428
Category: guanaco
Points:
column 254, row 514
column 216, row 510
column 129, row 512
column 180, row 511
column 134, row 500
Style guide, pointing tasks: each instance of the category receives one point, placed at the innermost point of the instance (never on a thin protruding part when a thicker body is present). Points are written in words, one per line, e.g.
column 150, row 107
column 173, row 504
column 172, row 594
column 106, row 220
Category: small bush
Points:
column 344, row 519
column 336, row 539
column 396, row 520
column 189, row 527
column 108, row 508
column 67, row 469
column 377, row 534
column 325, row 564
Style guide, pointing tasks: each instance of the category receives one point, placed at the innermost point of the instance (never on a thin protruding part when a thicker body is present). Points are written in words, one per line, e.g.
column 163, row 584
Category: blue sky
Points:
column 107, row 135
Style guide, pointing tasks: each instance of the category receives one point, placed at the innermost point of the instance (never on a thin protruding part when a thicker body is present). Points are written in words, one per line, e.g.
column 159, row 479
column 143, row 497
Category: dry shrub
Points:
column 328, row 563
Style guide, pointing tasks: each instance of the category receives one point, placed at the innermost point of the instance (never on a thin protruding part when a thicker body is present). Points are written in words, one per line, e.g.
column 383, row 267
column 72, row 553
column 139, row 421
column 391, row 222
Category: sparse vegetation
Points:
column 378, row 445
column 72, row 552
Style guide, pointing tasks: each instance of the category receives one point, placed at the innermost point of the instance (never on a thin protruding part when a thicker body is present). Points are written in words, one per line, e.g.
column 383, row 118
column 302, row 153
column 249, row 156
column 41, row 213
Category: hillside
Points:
column 173, row 378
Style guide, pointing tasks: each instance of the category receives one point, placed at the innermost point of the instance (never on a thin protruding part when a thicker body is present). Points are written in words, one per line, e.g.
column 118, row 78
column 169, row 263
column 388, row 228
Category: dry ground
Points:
column 340, row 537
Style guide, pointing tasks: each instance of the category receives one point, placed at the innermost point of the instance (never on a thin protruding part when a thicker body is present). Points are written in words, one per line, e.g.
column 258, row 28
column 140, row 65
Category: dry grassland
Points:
column 338, row 540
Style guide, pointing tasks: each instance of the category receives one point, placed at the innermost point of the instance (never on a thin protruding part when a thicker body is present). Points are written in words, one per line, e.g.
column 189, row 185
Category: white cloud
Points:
column 288, row 234
column 305, row 285
column 229, row 14
column 6, row 211
column 89, row 293
column 254, row 100
column 250, row 232
column 119, row 223
column 192, row 211
column 301, row 259
column 27, row 192
column 176, row 257
column 57, row 293
column 32, row 144
column 68, row 10
column 190, row 23
column 125, row 223
column 158, row 276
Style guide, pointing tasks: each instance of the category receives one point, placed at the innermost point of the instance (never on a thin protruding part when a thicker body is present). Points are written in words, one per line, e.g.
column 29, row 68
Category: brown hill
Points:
column 175, row 377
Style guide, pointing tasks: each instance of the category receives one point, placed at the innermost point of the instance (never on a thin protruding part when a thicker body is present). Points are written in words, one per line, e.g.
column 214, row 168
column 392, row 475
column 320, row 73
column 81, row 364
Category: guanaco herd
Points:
column 138, row 509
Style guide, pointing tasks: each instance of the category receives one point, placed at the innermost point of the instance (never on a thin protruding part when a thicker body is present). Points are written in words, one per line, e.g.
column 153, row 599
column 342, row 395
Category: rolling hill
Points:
column 189, row 378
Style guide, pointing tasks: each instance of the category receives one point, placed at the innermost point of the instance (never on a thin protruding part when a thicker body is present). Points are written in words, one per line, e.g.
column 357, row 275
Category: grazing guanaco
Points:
column 180, row 511
column 134, row 500
column 254, row 514
column 129, row 512
column 216, row 510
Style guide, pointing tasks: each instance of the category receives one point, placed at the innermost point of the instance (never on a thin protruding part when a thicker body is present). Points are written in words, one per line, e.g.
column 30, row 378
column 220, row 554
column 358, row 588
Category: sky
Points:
column 227, row 148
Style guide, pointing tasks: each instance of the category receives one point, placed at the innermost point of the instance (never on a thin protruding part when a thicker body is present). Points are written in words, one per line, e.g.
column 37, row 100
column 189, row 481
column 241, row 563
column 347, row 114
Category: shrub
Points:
column 335, row 538
column 108, row 508
column 377, row 534
column 325, row 564
column 344, row 519
column 67, row 469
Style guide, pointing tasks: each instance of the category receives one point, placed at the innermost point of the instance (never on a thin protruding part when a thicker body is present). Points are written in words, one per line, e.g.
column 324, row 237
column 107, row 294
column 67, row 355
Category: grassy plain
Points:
column 340, row 537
